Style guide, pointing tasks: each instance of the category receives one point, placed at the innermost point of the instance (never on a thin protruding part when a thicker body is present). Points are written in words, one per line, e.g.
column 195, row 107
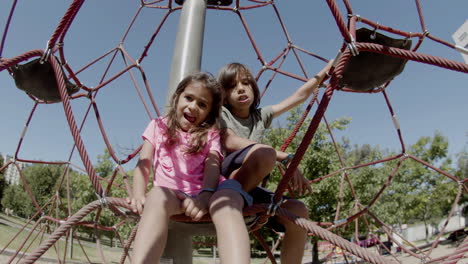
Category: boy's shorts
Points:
column 232, row 162
column 236, row 186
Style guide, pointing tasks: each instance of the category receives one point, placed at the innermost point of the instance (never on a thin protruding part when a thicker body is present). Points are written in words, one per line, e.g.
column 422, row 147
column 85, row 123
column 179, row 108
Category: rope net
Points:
column 119, row 67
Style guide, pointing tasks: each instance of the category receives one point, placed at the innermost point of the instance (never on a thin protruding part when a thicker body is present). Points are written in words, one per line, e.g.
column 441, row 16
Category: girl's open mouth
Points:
column 243, row 99
column 189, row 118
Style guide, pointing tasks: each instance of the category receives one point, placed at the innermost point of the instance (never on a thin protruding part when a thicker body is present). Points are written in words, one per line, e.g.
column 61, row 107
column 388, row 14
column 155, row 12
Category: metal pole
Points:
column 186, row 59
column 214, row 254
column 70, row 247
column 189, row 43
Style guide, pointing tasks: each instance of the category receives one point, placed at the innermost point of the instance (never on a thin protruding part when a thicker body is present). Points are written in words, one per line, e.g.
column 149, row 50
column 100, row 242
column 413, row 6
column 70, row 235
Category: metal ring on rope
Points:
column 352, row 47
column 273, row 207
column 45, row 56
column 103, row 199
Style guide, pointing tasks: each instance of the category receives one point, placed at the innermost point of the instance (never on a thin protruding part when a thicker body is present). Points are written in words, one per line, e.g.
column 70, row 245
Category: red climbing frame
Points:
column 346, row 24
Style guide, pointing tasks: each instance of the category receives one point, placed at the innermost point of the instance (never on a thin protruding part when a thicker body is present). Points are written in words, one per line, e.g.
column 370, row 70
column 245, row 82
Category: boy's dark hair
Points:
column 212, row 120
column 231, row 73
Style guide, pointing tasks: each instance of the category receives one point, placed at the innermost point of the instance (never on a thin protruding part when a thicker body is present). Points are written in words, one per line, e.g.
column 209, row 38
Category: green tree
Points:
column 365, row 184
column 83, row 193
column 105, row 166
column 45, row 181
column 423, row 194
column 320, row 159
column 415, row 193
column 16, row 198
column 2, row 179
column 42, row 180
column 461, row 172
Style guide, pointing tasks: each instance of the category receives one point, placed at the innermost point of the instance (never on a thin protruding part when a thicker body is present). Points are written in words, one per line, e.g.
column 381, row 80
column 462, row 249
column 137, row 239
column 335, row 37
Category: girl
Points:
column 183, row 148
column 243, row 125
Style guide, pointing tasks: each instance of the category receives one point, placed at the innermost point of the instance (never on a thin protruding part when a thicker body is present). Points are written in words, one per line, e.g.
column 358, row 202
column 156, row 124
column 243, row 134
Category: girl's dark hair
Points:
column 231, row 73
column 199, row 138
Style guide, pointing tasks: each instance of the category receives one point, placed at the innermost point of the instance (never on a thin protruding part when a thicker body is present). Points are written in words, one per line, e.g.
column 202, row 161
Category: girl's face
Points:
column 241, row 96
column 193, row 106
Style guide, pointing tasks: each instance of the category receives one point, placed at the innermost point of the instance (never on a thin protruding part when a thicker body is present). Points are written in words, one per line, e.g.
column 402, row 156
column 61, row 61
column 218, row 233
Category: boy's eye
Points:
column 188, row 98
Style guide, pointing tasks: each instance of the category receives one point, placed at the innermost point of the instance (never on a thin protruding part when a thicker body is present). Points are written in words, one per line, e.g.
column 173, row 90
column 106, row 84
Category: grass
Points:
column 58, row 249
column 112, row 255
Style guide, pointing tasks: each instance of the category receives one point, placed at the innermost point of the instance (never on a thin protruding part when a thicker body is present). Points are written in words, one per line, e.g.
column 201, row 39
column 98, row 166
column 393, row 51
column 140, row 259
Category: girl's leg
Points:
column 257, row 164
column 233, row 238
column 293, row 245
column 161, row 203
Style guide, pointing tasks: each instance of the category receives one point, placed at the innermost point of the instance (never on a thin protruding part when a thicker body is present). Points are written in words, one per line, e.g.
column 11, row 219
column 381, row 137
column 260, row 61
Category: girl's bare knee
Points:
column 162, row 198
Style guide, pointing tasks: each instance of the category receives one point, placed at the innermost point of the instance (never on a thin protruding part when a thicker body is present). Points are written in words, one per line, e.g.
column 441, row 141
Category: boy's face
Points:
column 193, row 106
column 241, row 96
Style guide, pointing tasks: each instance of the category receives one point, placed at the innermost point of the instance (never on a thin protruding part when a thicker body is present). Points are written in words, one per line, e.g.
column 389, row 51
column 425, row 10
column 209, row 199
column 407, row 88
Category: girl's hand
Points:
column 136, row 204
column 194, row 207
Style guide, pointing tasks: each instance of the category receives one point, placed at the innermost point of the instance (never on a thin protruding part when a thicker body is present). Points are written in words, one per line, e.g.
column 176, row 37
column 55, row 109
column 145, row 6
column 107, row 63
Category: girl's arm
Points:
column 197, row 207
column 212, row 170
column 301, row 94
column 141, row 176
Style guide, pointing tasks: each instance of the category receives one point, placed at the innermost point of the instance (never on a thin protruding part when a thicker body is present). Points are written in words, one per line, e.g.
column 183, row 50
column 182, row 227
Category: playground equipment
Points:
column 68, row 79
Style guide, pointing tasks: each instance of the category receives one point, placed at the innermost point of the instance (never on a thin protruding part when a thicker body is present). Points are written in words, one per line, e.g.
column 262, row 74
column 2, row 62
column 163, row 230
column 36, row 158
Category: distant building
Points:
column 461, row 39
column 11, row 173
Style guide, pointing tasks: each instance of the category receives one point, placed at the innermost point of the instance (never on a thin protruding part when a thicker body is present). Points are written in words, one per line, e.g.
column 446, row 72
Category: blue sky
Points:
column 425, row 98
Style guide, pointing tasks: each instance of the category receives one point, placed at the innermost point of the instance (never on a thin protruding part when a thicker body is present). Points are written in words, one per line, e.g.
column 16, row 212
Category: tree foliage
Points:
column 42, row 181
column 415, row 193
column 461, row 172
column 320, row 159
column 48, row 186
column 83, row 193
column 2, row 179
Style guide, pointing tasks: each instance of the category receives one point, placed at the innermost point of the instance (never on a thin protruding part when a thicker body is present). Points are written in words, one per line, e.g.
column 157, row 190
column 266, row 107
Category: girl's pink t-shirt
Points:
column 173, row 167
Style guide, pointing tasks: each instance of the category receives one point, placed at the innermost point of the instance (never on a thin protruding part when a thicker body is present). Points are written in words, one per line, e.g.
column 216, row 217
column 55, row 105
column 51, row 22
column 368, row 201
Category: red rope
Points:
column 346, row 29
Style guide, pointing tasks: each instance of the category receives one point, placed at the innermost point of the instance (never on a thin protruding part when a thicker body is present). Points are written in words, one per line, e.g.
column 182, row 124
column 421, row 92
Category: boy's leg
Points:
column 161, row 203
column 293, row 245
column 233, row 238
column 259, row 161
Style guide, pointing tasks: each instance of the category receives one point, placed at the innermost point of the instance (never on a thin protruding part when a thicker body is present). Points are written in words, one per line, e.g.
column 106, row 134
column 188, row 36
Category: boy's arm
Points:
column 301, row 94
column 232, row 142
column 141, row 176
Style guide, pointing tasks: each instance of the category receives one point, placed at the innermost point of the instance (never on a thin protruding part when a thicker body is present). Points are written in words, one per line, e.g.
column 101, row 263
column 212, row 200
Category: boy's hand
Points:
column 194, row 207
column 300, row 184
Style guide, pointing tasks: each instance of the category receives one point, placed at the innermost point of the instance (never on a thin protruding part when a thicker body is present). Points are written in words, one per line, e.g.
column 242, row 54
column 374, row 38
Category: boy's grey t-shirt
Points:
column 253, row 127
